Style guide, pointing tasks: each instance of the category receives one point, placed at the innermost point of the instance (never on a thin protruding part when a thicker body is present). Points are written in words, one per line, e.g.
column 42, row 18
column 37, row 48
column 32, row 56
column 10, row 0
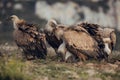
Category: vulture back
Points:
column 81, row 43
column 105, row 37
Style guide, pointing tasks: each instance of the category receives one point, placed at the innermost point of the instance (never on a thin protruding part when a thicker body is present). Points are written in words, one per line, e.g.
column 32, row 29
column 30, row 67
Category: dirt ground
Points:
column 14, row 67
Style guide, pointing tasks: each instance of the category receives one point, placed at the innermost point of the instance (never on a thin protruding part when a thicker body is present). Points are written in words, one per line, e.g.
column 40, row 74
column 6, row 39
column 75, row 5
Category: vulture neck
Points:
column 15, row 22
column 59, row 34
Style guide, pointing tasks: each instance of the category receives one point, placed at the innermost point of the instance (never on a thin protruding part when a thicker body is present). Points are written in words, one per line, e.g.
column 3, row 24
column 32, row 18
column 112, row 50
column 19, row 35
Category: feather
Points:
column 100, row 34
column 51, row 37
column 81, row 43
column 29, row 39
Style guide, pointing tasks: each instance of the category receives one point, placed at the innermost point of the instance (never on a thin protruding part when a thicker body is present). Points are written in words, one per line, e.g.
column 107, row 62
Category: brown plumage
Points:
column 78, row 42
column 111, row 35
column 28, row 38
column 53, row 33
column 93, row 30
column 51, row 38
column 105, row 37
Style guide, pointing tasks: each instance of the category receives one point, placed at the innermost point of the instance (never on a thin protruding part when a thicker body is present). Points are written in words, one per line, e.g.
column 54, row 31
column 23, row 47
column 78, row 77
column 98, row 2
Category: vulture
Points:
column 54, row 39
column 29, row 39
column 82, row 41
column 51, row 38
column 105, row 37
column 77, row 43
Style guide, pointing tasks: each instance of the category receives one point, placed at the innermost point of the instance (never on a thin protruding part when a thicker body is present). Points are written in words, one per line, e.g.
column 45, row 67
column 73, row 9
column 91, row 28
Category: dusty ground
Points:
column 14, row 67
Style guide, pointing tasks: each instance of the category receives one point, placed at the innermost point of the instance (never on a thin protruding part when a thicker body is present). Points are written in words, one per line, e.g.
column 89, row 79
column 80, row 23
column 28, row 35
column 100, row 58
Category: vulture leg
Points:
column 82, row 57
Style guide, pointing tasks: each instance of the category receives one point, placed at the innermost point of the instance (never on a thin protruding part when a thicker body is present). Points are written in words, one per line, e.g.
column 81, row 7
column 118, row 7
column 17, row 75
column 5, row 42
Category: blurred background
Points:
column 69, row 12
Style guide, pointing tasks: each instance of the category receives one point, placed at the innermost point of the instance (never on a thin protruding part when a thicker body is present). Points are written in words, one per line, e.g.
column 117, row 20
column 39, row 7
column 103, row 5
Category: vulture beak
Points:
column 9, row 18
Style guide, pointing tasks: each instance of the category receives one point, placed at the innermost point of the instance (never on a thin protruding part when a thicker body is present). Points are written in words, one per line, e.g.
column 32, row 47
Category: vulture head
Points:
column 109, row 39
column 15, row 20
column 50, row 26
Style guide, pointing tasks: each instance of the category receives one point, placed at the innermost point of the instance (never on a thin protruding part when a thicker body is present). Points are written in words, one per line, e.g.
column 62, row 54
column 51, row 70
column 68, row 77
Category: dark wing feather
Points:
column 91, row 28
column 52, row 39
column 82, row 43
column 30, row 40
column 94, row 31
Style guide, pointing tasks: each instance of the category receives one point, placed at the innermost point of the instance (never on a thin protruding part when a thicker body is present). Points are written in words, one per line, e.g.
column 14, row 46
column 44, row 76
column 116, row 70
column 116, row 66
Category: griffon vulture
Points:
column 28, row 38
column 105, row 37
column 55, row 40
column 51, row 38
column 77, row 42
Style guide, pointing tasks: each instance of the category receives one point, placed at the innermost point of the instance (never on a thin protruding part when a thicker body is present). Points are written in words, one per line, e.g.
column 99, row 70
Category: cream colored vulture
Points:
column 105, row 37
column 28, row 38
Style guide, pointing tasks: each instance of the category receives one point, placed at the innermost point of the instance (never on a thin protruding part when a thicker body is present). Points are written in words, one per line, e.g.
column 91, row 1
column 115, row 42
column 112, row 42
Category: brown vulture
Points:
column 78, row 42
column 51, row 38
column 105, row 37
column 29, row 38
column 54, row 39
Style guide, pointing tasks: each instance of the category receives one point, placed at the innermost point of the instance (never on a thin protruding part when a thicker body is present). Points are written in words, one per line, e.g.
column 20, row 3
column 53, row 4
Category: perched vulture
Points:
column 51, row 38
column 54, row 38
column 105, row 37
column 28, row 38
column 77, row 42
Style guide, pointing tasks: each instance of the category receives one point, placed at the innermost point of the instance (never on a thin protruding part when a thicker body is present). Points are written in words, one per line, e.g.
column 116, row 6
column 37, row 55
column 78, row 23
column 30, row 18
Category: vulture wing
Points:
column 105, row 37
column 94, row 31
column 81, row 44
column 30, row 40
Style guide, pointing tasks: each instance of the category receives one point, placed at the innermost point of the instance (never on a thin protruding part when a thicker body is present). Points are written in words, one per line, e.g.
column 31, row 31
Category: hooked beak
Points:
column 9, row 18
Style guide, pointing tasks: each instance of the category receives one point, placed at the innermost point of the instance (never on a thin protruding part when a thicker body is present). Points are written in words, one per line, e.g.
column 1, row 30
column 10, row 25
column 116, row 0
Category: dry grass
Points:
column 14, row 67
